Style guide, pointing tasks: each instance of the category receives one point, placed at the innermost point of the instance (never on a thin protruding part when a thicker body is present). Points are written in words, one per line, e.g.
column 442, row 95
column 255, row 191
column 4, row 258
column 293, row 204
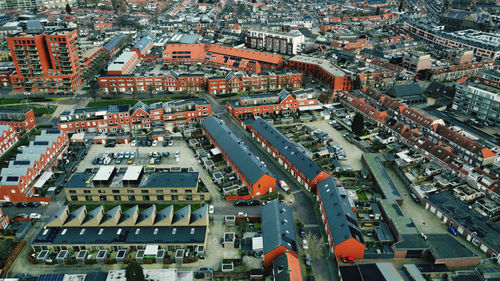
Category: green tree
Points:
column 68, row 9
column 358, row 124
column 134, row 272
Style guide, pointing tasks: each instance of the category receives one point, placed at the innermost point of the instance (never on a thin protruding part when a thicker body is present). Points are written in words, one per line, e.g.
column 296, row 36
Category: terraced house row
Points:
column 343, row 232
column 272, row 103
column 16, row 181
column 192, row 82
column 123, row 118
column 439, row 144
column 133, row 183
column 249, row 169
column 124, row 230
column 469, row 150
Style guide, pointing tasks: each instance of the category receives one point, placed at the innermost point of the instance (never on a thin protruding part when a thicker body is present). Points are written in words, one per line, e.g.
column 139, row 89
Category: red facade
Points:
column 334, row 78
column 17, row 180
column 19, row 118
column 45, row 62
column 232, row 83
column 168, row 82
column 8, row 137
column 126, row 119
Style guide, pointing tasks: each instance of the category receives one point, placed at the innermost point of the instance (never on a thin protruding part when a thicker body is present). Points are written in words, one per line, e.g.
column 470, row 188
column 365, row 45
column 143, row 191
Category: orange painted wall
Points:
column 350, row 248
column 266, row 182
column 272, row 255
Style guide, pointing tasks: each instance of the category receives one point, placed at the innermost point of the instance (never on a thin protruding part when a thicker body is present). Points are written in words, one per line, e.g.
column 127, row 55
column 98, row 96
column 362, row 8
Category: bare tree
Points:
column 315, row 244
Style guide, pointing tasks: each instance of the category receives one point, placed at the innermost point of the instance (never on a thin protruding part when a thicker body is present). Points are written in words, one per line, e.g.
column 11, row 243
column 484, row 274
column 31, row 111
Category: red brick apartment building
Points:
column 45, row 62
column 249, row 169
column 271, row 103
column 123, row 118
column 221, row 56
column 342, row 229
column 8, row 137
column 16, row 181
column 323, row 70
column 163, row 82
column 296, row 162
column 264, row 81
column 21, row 119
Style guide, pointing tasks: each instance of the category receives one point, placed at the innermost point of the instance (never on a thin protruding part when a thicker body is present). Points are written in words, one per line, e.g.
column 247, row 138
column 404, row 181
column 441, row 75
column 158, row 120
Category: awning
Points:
column 257, row 244
column 310, row 107
column 43, row 179
column 151, row 250
column 215, row 151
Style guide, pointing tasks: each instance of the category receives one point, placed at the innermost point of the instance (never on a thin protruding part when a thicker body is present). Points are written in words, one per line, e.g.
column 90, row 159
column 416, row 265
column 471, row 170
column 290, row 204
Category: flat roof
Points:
column 485, row 229
column 325, row 64
column 148, row 180
column 132, row 173
column 104, row 173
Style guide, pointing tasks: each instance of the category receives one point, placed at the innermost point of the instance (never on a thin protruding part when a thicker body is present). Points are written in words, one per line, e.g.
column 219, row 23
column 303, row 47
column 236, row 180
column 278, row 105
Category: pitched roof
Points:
column 278, row 226
column 235, row 150
column 286, row 148
column 286, row 267
column 338, row 211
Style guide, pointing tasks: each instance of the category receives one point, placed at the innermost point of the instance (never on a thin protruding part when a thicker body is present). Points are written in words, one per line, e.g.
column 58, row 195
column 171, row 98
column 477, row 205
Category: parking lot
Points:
column 352, row 152
column 142, row 155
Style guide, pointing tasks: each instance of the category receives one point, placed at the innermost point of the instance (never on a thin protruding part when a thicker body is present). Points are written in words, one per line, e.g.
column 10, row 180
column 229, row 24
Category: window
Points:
column 144, row 191
column 173, row 191
column 116, row 191
column 86, row 191
column 117, row 197
column 146, row 197
column 131, row 198
column 160, row 197
column 88, row 198
column 130, row 191
column 74, row 198
column 159, row 191
column 72, row 191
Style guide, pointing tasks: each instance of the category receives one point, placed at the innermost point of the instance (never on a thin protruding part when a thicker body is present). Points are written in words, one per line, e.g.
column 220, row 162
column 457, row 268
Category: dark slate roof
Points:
column 127, row 235
column 286, row 148
column 486, row 230
column 338, row 211
column 444, row 246
column 350, row 273
column 115, row 41
column 235, row 150
column 281, row 270
column 278, row 227
column 141, row 44
column 405, row 90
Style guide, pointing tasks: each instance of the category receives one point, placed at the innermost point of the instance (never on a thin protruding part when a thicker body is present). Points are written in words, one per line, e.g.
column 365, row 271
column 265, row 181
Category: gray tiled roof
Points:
column 288, row 149
column 235, row 150
column 338, row 211
column 278, row 227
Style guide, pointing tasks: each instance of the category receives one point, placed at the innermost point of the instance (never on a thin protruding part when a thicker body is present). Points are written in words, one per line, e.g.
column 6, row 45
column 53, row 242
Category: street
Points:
column 302, row 204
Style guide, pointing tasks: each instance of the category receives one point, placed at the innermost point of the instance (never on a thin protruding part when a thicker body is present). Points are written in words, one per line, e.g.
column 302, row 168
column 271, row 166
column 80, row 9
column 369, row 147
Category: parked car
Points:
column 110, row 144
column 148, row 143
column 118, row 160
column 7, row 204
column 22, row 216
column 242, row 214
column 211, row 209
column 452, row 230
column 21, row 205
column 240, row 203
column 254, row 203
column 348, row 259
column 304, row 244
column 155, row 143
column 165, row 154
column 95, row 161
column 308, row 260
column 165, row 143
column 152, row 161
column 35, row 216
column 283, row 185
column 131, row 160
column 302, row 232
column 33, row 204
column 133, row 143
column 205, row 268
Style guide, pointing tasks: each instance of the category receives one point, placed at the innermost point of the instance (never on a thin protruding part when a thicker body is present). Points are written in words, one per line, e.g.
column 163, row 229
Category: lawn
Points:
column 39, row 110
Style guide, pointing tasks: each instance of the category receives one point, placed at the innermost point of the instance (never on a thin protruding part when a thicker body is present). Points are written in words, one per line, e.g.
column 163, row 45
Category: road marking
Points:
column 296, row 191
